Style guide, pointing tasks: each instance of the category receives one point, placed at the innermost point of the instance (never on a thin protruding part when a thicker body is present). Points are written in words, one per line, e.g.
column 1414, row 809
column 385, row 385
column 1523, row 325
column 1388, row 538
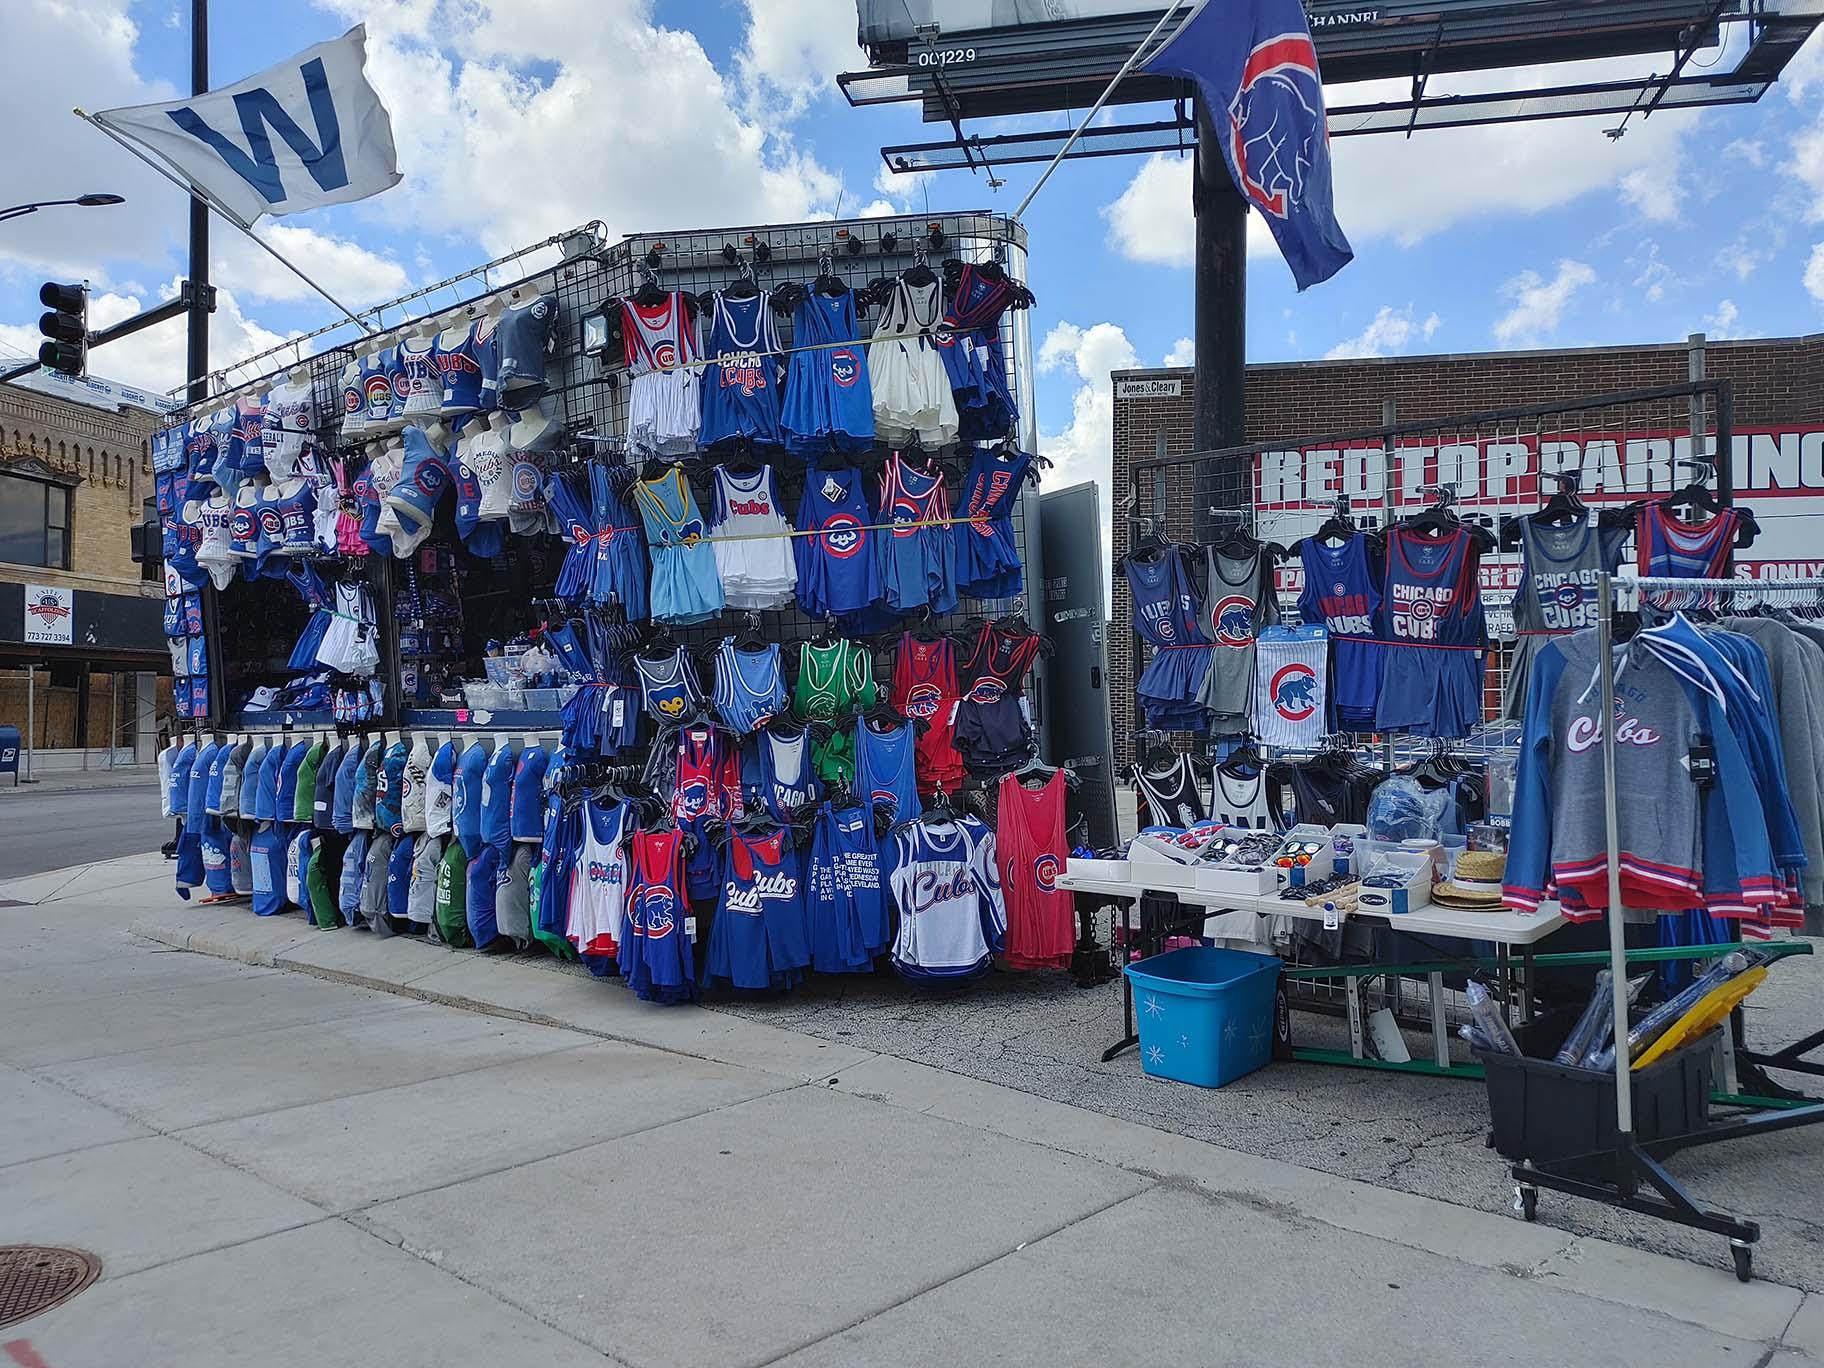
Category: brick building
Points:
column 1775, row 382
column 75, row 478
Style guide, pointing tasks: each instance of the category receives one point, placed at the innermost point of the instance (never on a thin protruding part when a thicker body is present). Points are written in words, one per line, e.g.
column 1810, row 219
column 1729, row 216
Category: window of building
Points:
column 34, row 523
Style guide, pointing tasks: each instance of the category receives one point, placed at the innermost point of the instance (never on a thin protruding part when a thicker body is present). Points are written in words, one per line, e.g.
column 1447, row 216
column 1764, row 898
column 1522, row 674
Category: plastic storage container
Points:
column 1547, row 1112
column 1206, row 1015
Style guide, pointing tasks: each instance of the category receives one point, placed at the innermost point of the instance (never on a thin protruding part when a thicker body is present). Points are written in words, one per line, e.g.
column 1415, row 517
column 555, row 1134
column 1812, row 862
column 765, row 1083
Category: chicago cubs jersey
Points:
column 1664, row 546
column 1341, row 591
column 1431, row 618
column 837, row 572
column 598, row 880
column 952, row 919
column 1290, row 676
column 741, row 382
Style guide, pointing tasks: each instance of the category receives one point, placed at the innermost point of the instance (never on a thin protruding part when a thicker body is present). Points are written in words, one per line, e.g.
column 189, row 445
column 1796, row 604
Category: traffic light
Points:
column 66, row 326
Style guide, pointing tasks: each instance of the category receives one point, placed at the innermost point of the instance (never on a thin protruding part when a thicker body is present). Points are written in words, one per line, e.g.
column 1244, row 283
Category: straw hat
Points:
column 1476, row 883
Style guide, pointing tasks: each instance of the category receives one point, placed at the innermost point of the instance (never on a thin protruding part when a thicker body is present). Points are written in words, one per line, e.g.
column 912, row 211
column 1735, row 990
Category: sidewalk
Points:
column 540, row 1168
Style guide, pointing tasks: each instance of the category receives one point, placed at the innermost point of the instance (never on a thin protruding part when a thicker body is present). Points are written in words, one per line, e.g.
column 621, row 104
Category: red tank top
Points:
column 924, row 688
column 1029, row 847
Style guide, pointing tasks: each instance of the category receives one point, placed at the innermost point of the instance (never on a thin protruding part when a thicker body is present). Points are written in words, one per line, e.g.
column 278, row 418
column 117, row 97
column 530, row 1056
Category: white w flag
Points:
column 308, row 132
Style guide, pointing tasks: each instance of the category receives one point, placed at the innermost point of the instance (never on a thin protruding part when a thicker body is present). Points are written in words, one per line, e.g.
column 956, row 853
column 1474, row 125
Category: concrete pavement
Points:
column 300, row 1147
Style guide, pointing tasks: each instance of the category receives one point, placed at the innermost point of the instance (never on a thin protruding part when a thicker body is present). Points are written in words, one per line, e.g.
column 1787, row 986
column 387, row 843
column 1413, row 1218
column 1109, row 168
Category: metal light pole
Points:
column 198, row 357
column 83, row 201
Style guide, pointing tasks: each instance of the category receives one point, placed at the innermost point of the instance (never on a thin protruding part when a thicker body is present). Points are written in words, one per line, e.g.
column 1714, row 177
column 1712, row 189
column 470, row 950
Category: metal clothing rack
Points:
column 1640, row 1182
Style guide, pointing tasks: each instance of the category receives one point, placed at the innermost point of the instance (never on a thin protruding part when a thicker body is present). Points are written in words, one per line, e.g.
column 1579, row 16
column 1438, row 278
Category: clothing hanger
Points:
column 1035, row 766
column 920, row 272
column 651, row 292
column 745, row 286
column 828, row 282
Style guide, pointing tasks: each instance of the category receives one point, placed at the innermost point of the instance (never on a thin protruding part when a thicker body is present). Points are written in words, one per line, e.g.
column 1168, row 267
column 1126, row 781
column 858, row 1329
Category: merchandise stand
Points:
column 1640, row 1180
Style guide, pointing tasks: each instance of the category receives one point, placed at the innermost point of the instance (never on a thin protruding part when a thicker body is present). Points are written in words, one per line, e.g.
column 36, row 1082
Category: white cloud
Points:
column 879, row 208
column 1745, row 255
column 1807, row 165
column 1721, row 324
column 1805, row 68
column 1654, row 191
column 346, row 269
column 1814, row 273
column 1151, row 221
column 1084, row 449
column 1390, row 330
column 51, row 154
column 517, row 121
column 1654, row 278
column 1754, row 153
column 1183, row 352
column 1539, row 304
column 153, row 359
column 794, row 51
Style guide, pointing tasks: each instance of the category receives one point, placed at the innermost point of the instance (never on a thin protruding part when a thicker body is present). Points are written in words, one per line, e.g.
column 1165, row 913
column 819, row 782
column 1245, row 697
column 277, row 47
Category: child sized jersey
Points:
column 753, row 541
column 1664, row 546
column 1342, row 593
column 759, row 938
column 886, row 768
column 750, row 685
column 741, row 382
column 917, row 552
column 663, row 405
column 1238, row 602
column 598, row 880
column 828, row 399
column 656, row 957
column 1289, row 685
column 987, row 556
column 708, row 783
column 1166, row 616
column 924, row 689
column 1431, row 618
column 685, row 585
column 1030, row 849
column 1557, row 591
column 838, row 571
column 669, row 690
column 944, row 879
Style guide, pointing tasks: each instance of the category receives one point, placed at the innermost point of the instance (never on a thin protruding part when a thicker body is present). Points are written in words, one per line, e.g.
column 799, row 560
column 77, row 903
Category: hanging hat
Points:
column 1475, row 884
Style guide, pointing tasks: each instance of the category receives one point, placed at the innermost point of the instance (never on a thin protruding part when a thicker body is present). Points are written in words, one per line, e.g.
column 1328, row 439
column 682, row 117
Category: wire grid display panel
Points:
column 1497, row 468
column 590, row 394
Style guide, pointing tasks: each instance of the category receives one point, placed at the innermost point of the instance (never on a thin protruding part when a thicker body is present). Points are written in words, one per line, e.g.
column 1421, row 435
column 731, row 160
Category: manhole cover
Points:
column 35, row 1278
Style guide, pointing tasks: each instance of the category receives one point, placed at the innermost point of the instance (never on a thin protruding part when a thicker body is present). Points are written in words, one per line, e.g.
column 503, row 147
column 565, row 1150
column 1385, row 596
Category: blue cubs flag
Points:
column 1255, row 68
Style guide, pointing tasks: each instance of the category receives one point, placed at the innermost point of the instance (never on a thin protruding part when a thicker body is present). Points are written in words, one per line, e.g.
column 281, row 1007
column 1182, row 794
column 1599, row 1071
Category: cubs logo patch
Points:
column 1045, row 873
column 665, row 355
column 845, row 367
column 525, row 481
column 842, row 536
column 1568, row 596
column 1293, row 690
column 1234, row 620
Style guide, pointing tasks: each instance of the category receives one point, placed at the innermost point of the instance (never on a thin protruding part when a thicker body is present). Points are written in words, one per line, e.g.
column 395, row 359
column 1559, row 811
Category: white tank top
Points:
column 658, row 336
column 748, row 506
column 215, row 552
column 598, row 882
column 423, row 382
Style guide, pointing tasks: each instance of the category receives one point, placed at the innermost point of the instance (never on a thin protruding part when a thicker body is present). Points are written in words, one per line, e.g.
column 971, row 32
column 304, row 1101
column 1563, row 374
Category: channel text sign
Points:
column 1779, row 471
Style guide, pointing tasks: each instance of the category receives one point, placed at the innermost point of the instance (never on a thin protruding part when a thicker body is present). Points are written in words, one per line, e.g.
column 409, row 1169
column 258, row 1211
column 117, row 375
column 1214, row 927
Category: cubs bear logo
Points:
column 842, row 536
column 657, row 912
column 1234, row 621
column 923, row 700
column 845, row 367
column 1293, row 690
column 429, row 479
column 690, row 532
column 673, row 706
column 1568, row 596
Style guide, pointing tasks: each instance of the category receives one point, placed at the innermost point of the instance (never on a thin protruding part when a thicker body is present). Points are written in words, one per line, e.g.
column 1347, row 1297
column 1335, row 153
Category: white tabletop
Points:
column 1504, row 927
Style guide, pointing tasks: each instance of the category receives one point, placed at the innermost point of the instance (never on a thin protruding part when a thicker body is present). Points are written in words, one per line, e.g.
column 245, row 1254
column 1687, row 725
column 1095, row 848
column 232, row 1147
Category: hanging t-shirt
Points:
column 1290, row 680
column 1237, row 800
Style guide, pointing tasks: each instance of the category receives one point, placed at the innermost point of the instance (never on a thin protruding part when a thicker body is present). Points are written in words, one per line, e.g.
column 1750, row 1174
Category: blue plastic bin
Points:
column 1206, row 1015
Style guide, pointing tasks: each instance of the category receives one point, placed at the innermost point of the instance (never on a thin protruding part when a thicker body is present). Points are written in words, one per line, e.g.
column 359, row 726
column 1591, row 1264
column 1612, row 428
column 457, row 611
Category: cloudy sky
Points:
column 518, row 118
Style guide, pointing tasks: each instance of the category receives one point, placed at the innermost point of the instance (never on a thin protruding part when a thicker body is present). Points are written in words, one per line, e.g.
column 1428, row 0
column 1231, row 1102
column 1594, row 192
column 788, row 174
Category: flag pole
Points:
column 190, row 187
column 1096, row 108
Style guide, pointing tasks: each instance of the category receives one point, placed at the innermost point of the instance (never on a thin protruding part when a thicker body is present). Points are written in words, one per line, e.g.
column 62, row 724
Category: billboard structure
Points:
column 968, row 60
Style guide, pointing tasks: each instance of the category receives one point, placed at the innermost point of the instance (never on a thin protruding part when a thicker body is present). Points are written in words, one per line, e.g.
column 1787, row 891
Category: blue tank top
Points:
column 885, row 770
column 460, row 370
column 1665, row 547
column 686, row 586
column 987, row 557
column 1433, row 596
column 1340, row 593
column 750, row 685
column 1165, row 612
column 917, row 555
column 741, row 382
column 837, row 573
column 829, row 401
column 289, row 522
column 788, row 778
column 668, row 685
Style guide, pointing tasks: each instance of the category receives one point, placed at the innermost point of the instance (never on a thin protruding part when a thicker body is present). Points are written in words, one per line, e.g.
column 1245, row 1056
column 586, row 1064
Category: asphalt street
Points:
column 42, row 828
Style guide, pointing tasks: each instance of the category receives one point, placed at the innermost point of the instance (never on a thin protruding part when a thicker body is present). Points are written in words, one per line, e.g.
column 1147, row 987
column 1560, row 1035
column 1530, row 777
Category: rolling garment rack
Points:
column 1640, row 1181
